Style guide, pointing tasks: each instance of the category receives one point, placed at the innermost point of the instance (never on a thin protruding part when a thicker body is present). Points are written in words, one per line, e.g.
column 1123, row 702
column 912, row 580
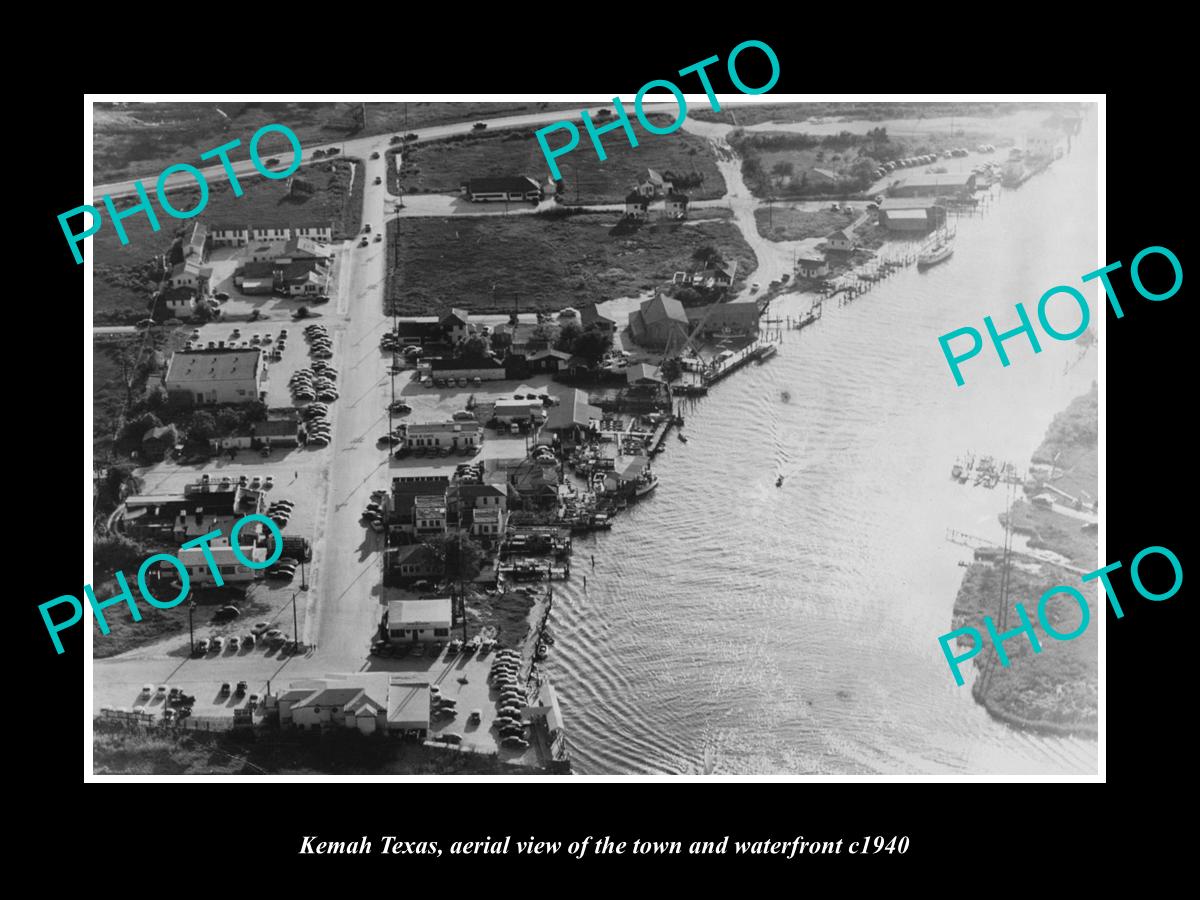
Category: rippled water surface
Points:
column 794, row 629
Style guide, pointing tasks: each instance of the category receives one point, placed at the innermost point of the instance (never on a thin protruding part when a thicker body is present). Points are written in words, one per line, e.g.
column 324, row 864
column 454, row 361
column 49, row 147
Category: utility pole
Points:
column 295, row 622
column 191, row 630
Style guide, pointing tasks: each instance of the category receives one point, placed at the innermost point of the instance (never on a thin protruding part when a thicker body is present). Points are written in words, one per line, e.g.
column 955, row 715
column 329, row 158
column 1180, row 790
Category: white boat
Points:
column 767, row 352
column 935, row 255
column 646, row 485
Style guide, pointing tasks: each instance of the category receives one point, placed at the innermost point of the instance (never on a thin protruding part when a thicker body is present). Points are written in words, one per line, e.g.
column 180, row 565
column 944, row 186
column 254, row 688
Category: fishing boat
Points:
column 645, row 485
column 939, row 252
column 767, row 352
column 779, row 481
column 956, row 470
column 681, row 436
column 542, row 651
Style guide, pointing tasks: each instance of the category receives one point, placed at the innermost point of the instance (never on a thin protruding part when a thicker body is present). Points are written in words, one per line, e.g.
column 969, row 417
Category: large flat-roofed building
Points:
column 513, row 187
column 427, row 619
column 455, row 435
column 231, row 568
column 945, row 184
column 911, row 214
column 217, row 376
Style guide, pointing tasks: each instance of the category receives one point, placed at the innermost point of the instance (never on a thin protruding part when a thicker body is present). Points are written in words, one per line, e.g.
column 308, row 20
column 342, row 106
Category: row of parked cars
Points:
column 320, row 344
column 316, row 422
column 510, row 701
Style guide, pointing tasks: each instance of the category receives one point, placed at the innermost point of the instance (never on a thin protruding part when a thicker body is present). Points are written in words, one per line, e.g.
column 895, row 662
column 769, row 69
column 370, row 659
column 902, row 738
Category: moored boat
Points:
column 645, row 485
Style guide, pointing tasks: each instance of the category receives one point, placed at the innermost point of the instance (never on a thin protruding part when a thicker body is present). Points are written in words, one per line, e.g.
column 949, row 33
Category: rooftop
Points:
column 420, row 612
column 214, row 365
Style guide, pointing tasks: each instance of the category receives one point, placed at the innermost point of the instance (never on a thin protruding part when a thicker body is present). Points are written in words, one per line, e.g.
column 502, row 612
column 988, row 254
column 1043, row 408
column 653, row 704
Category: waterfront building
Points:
column 944, row 184
column 427, row 619
column 911, row 214
column 811, row 267
column 659, row 320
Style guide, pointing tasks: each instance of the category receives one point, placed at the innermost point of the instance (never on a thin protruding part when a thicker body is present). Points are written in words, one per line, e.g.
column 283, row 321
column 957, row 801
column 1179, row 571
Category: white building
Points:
column 455, row 435
column 427, row 619
column 217, row 376
column 231, row 568
column 509, row 411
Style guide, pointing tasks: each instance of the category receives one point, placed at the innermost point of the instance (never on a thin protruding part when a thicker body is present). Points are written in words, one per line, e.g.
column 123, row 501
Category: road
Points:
column 357, row 147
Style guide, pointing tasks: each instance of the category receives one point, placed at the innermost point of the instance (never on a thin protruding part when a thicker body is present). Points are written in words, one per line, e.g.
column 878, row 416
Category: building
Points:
column 643, row 375
column 509, row 411
column 590, row 316
column 547, row 360
column 808, row 267
column 637, row 206
column 408, row 707
column 822, row 178
column 303, row 249
column 455, row 435
column 280, row 429
column 255, row 278
column 217, row 375
column 915, row 214
column 717, row 276
column 409, row 562
column 457, row 324
column 302, row 279
column 179, row 302
column 429, row 515
column 190, row 274
column 427, row 619
column 676, row 206
column 197, row 245
column 485, row 368
column 481, row 496
column 359, row 702
column 946, row 184
column 573, row 417
column 735, row 317
column 659, row 320
column 232, row 569
column 227, row 235
column 839, row 241
column 513, row 187
column 489, row 524
column 651, row 184
column 419, row 330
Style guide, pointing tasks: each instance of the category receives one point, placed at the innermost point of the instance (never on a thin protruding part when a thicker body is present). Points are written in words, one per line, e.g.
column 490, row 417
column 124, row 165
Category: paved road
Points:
column 358, row 147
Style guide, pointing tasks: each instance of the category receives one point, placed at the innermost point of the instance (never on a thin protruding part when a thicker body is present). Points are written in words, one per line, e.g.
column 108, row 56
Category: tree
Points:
column 474, row 346
column 135, row 428
column 708, row 256
column 461, row 557
column 670, row 368
column 228, row 420
column 592, row 344
column 782, row 168
column 202, row 426
column 543, row 332
column 116, row 553
column 567, row 336
column 501, row 341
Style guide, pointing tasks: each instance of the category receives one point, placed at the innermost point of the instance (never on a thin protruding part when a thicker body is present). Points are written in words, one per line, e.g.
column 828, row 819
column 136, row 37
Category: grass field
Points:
column 551, row 262
column 442, row 166
column 788, row 224
column 744, row 114
column 134, row 139
column 121, row 750
column 126, row 276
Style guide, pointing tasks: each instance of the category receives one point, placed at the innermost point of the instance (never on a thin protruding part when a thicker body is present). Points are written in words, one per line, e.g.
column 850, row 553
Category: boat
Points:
column 940, row 251
column 681, row 436
column 767, row 352
column 645, row 485
column 956, row 470
column 541, row 652
column 779, row 481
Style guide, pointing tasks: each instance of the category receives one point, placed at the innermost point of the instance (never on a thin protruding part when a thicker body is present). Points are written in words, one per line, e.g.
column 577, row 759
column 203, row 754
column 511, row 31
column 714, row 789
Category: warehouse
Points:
column 945, row 184
column 912, row 214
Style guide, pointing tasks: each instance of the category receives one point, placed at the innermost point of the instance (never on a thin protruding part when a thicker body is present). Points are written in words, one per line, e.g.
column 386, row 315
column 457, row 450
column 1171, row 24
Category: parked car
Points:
column 248, row 640
column 201, row 647
column 363, row 242
column 147, row 690
column 479, row 126
column 449, row 737
column 253, row 702
column 225, row 689
column 515, row 743
column 378, row 180
column 217, row 645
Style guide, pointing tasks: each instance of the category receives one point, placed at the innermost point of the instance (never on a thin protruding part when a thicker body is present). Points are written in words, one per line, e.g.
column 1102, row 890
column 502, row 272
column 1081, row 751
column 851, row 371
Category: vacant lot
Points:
column 126, row 276
column 783, row 223
column 442, row 166
column 144, row 138
column 551, row 262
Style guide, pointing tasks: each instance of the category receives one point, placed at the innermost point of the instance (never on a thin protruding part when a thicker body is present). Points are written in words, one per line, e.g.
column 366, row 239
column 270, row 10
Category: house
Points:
column 322, row 232
column 427, row 619
column 573, row 417
column 429, row 515
column 651, row 184
column 509, row 187
column 232, row 568
column 822, row 177
column 735, row 317
column 303, row 249
column 547, row 361
column 659, row 320
column 180, row 302
column 260, row 234
column 489, row 524
column 718, row 276
column 480, row 497
column 335, row 703
column 455, row 435
column 410, row 562
column 217, row 376
column 158, row 442
column 408, row 706
column 637, row 206
column 533, row 483
column 590, row 316
column 839, row 241
column 913, row 214
column 485, row 368
column 197, row 245
column 945, row 184
column 302, row 279
column 280, row 429
column 809, row 267
column 190, row 274
column 644, row 374
column 676, row 206
column 457, row 324
column 229, row 235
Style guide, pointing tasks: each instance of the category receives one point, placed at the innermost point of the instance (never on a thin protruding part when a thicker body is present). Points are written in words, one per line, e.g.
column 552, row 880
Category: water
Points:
column 794, row 630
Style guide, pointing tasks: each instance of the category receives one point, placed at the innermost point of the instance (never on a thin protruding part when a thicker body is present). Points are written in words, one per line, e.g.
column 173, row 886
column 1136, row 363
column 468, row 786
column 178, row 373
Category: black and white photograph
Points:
column 734, row 434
